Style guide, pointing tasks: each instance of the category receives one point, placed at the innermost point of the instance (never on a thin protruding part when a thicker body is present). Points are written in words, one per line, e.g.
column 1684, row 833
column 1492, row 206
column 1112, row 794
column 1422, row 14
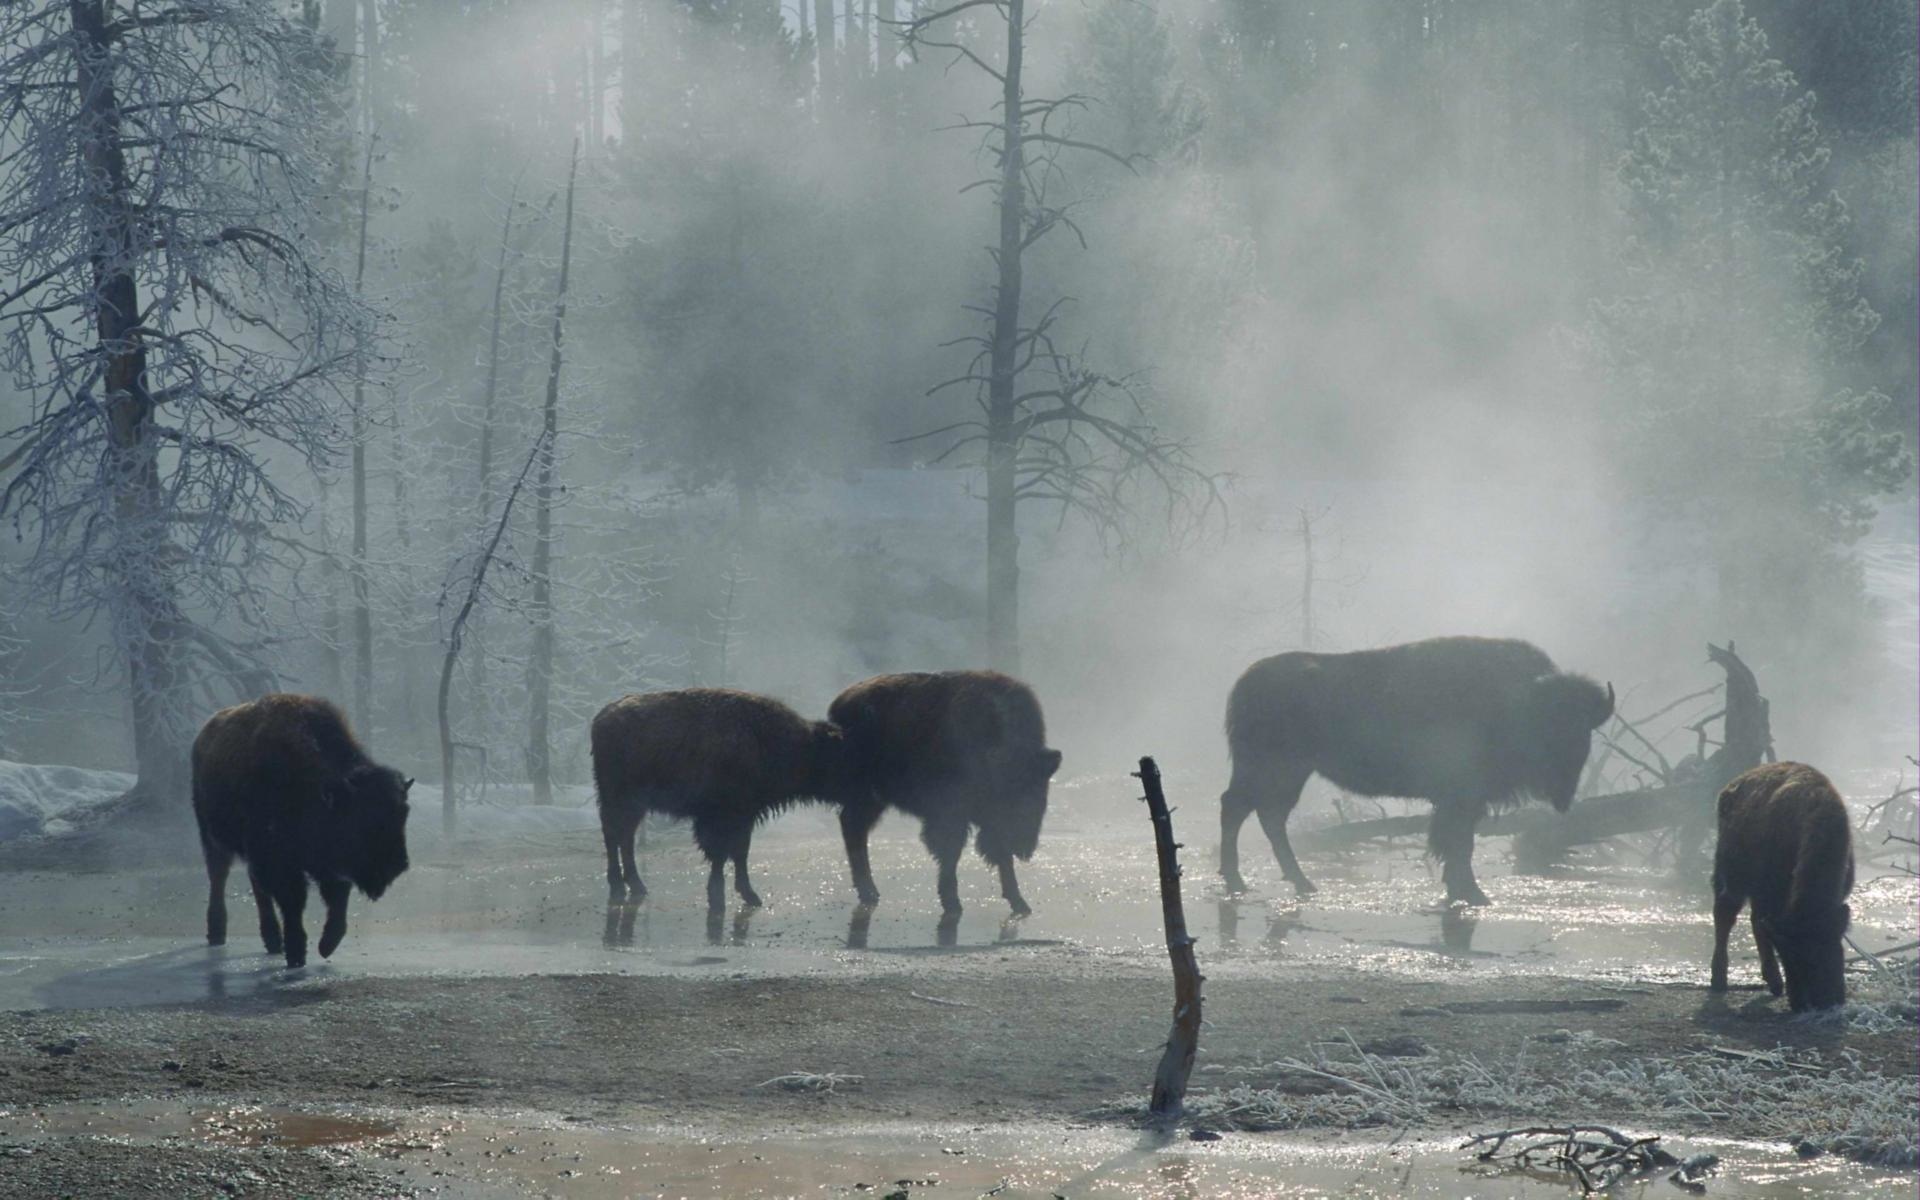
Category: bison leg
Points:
column 1234, row 812
column 946, row 839
column 617, row 825
column 856, row 822
column 1451, row 839
column 1010, row 889
column 289, row 888
column 334, row 893
column 1769, row 962
column 741, row 884
column 1271, row 789
column 629, row 870
column 263, row 902
column 219, row 863
column 1726, row 910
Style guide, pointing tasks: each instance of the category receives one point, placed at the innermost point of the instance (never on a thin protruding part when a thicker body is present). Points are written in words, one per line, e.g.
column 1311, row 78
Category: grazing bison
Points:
column 1467, row 723
column 1785, row 846
column 959, row 750
column 725, row 759
column 282, row 783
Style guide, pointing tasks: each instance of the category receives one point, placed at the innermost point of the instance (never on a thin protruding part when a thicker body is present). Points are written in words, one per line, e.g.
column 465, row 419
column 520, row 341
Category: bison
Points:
column 1785, row 845
column 1467, row 723
column 960, row 750
column 281, row 782
column 725, row 759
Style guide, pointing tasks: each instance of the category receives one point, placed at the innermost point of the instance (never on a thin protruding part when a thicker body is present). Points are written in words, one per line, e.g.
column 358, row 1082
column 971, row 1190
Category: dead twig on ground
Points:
column 825, row 1082
column 1596, row 1156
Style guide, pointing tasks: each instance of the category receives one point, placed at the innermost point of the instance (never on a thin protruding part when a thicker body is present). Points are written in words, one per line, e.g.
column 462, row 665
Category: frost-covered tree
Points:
column 179, row 338
column 1735, row 341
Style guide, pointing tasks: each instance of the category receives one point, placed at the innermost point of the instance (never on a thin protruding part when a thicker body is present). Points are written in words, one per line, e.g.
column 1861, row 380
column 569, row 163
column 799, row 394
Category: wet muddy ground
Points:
column 493, row 1000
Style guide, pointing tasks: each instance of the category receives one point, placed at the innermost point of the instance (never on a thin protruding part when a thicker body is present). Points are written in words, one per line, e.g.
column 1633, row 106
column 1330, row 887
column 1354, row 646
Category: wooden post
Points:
column 1170, row 1081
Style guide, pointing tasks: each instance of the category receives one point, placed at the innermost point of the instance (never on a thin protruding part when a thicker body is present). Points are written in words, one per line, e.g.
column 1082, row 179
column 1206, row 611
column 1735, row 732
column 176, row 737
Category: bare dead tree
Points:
column 362, row 607
column 168, row 316
column 540, row 663
column 476, row 582
column 1049, row 428
column 1183, row 1041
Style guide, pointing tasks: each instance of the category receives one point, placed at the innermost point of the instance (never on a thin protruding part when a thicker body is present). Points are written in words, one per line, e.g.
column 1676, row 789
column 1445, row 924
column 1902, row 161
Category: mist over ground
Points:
column 1476, row 293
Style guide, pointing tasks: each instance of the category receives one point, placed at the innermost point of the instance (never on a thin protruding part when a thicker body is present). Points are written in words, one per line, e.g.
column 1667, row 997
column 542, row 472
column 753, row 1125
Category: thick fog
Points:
column 1590, row 325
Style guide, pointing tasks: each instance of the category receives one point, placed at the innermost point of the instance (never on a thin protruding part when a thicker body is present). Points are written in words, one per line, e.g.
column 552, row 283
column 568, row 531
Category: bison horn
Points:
column 1609, row 712
column 406, row 787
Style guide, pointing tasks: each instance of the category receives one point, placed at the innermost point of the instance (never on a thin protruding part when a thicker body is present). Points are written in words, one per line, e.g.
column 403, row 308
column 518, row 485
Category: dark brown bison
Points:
column 282, row 783
column 960, row 750
column 1467, row 723
column 1785, row 846
column 726, row 760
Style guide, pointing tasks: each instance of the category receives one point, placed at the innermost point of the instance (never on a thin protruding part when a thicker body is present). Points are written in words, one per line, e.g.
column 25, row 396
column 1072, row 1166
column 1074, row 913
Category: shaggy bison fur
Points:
column 282, row 783
column 1785, row 846
column 726, row 760
column 960, row 750
column 1467, row 723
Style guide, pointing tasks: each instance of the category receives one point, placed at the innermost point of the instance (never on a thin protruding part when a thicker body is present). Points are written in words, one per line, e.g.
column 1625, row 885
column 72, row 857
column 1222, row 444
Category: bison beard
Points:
column 958, row 749
column 282, row 783
column 1469, row 724
column 1786, row 846
column 726, row 760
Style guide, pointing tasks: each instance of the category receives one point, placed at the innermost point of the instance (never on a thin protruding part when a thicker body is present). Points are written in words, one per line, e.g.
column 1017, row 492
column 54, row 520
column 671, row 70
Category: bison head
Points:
column 371, row 807
column 1813, row 958
column 829, row 767
column 1560, row 714
column 1016, row 804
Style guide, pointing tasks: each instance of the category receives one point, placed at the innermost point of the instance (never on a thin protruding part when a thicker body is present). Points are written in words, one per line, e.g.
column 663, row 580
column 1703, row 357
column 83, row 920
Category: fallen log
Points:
column 1589, row 820
column 1176, row 1064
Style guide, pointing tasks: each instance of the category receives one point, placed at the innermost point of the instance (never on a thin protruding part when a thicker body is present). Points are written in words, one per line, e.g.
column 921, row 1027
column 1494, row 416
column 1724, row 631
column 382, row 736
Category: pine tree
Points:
column 1739, row 329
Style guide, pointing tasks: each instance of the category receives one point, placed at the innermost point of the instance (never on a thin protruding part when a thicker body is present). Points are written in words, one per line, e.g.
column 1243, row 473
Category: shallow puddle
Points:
column 502, row 1155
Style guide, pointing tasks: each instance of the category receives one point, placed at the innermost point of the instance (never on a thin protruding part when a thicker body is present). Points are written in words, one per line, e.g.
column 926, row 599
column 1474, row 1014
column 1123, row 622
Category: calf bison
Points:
column 282, row 783
column 959, row 750
column 728, row 760
column 1467, row 723
column 1785, row 845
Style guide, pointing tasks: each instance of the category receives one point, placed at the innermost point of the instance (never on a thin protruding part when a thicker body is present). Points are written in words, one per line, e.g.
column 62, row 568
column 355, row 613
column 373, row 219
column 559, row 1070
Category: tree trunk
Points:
column 362, row 606
column 146, row 606
column 1183, row 1040
column 456, row 635
column 886, row 52
column 826, row 46
column 1306, row 580
column 630, row 72
column 540, row 661
column 1003, row 538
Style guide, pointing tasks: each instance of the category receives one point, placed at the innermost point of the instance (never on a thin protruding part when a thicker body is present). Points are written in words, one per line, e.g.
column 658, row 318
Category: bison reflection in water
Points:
column 1470, row 724
column 282, row 783
column 960, row 750
column 726, row 760
column 1785, row 845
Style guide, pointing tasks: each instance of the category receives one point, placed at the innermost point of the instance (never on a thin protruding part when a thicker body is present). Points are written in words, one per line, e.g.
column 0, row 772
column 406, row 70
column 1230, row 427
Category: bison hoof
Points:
column 1470, row 895
column 1304, row 887
column 273, row 945
column 750, row 898
column 216, row 939
column 1776, row 989
column 1718, row 985
column 329, row 943
column 868, row 896
column 1235, row 884
column 1020, row 908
